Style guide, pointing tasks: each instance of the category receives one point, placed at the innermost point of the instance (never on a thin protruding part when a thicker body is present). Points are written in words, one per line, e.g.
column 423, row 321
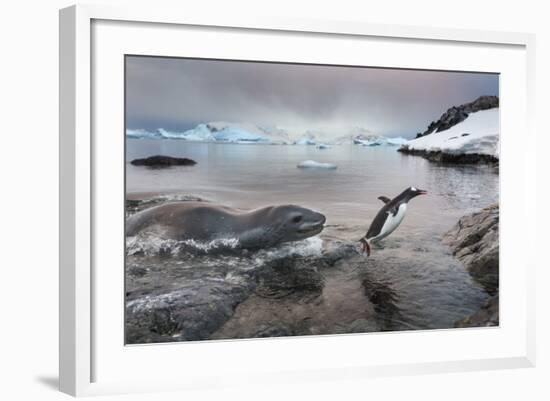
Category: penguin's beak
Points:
column 422, row 192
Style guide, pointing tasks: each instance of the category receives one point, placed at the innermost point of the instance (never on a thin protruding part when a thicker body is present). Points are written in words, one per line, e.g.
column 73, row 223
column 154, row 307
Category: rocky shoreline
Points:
column 474, row 240
column 175, row 295
column 209, row 301
column 450, row 158
column 465, row 134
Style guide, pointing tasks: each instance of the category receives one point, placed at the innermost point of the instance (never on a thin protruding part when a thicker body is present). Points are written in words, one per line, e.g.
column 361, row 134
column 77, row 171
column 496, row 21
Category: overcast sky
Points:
column 177, row 94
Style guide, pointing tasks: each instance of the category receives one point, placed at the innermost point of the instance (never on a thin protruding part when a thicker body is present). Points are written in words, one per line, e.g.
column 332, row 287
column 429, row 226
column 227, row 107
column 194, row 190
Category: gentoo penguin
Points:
column 389, row 217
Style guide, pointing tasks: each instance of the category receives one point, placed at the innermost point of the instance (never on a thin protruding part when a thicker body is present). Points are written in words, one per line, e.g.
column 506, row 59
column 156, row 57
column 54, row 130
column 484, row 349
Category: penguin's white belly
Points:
column 392, row 222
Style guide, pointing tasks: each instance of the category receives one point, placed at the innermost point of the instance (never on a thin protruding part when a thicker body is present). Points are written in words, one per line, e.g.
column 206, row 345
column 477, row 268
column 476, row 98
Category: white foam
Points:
column 312, row 246
column 150, row 244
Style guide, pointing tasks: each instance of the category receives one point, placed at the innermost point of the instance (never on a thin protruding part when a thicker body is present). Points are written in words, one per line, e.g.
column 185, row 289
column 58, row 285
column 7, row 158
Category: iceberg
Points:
column 197, row 134
column 305, row 141
column 210, row 132
column 314, row 164
column 396, row 141
column 143, row 134
column 226, row 132
column 376, row 140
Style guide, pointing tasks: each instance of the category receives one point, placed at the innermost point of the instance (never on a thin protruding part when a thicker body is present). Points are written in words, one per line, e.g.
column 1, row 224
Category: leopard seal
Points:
column 205, row 222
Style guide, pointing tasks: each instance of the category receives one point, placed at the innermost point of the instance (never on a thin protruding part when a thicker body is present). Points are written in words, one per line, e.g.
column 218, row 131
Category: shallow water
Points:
column 410, row 282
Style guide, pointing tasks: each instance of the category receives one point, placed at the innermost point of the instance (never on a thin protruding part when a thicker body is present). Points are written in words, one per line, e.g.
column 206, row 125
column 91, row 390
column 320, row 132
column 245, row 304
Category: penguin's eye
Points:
column 297, row 219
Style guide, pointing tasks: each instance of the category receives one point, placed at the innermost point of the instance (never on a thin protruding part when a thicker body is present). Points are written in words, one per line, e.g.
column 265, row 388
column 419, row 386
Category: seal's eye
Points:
column 297, row 219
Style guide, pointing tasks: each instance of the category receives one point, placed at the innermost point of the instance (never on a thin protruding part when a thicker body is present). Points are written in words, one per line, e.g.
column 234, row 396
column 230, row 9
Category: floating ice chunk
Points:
column 323, row 146
column 314, row 164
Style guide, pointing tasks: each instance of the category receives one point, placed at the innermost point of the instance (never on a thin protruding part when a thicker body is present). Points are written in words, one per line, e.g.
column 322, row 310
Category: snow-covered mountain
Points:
column 477, row 134
column 226, row 132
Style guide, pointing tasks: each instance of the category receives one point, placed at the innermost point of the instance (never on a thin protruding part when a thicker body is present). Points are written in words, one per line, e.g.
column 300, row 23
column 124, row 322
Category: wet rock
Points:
column 169, row 301
column 159, row 161
column 385, row 301
column 189, row 313
column 137, row 271
column 286, row 276
column 474, row 240
column 488, row 315
column 166, row 302
column 363, row 326
column 272, row 331
column 339, row 250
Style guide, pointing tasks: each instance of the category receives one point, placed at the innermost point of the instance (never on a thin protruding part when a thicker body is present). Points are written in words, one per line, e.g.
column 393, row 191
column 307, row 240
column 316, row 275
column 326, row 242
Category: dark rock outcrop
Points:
column 457, row 114
column 474, row 241
column 159, row 161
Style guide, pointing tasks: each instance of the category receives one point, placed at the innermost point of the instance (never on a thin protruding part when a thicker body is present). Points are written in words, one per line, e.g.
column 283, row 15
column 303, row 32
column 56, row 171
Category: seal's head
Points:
column 295, row 223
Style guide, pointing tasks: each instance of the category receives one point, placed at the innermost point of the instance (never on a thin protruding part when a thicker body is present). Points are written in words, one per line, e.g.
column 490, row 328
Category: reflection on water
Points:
column 410, row 282
column 255, row 175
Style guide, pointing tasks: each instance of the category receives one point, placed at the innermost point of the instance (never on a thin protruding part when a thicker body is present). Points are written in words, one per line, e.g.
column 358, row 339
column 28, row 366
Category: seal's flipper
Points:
column 384, row 199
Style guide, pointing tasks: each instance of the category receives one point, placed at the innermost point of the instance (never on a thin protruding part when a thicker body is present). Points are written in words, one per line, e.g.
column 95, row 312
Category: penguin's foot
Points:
column 365, row 246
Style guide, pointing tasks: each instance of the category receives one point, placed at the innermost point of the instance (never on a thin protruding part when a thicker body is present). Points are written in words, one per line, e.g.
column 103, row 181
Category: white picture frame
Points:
column 85, row 330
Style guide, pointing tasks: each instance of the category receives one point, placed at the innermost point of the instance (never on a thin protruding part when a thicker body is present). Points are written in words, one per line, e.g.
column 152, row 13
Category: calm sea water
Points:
column 434, row 289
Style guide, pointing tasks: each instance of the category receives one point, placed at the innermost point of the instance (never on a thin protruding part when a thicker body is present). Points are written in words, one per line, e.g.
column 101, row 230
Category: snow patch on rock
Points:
column 478, row 134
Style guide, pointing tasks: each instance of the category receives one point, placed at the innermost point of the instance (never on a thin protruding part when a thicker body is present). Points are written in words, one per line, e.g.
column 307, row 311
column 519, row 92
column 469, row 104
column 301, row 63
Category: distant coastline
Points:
column 247, row 133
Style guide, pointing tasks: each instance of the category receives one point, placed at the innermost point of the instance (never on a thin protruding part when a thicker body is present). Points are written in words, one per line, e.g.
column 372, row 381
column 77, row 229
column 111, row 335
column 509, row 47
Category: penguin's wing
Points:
column 393, row 210
column 378, row 222
column 384, row 199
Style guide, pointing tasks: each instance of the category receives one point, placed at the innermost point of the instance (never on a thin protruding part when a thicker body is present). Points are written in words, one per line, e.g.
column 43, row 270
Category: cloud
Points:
column 177, row 93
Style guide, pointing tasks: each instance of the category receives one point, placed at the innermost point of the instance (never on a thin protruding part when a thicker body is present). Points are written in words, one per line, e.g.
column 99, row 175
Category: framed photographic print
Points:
column 254, row 192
